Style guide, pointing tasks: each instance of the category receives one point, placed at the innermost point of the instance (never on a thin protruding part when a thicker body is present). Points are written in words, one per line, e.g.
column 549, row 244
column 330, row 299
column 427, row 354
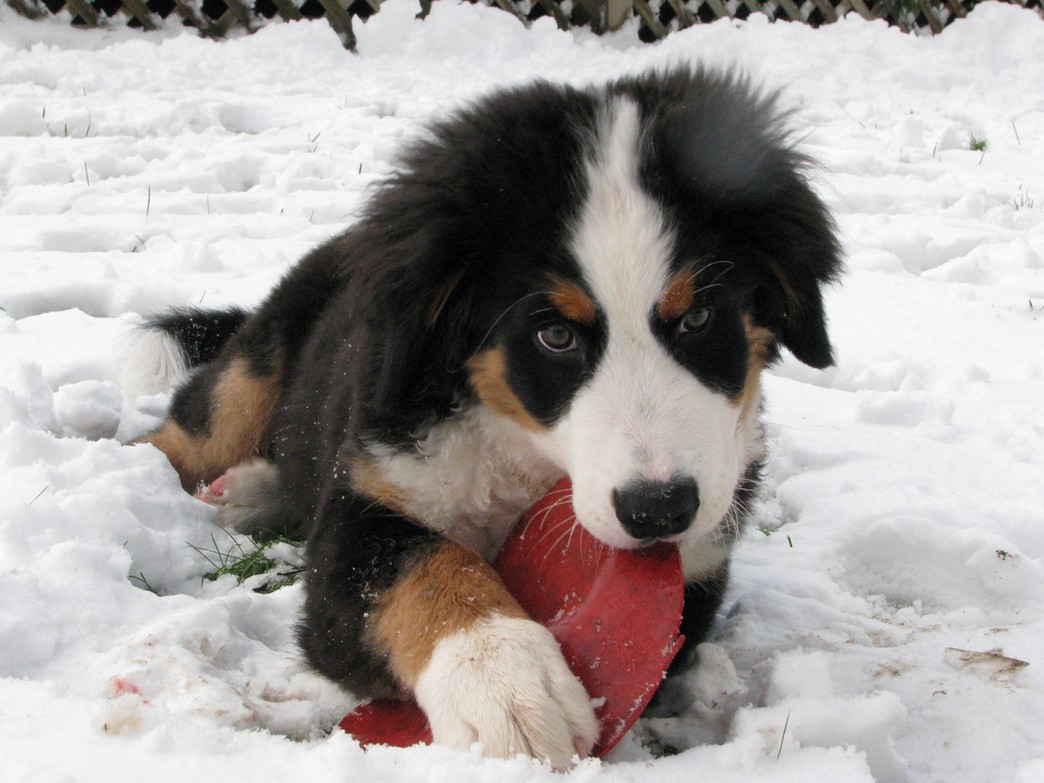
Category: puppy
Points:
column 554, row 281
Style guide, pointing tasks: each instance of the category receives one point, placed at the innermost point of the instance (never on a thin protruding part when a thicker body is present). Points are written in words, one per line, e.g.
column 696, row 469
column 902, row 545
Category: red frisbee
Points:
column 615, row 614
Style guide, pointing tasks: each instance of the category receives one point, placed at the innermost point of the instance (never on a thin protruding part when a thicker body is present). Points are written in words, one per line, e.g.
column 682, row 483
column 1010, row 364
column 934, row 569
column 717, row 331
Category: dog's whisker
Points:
column 722, row 262
column 569, row 525
column 704, row 288
column 499, row 318
column 596, row 549
column 552, row 530
column 555, row 530
column 556, row 545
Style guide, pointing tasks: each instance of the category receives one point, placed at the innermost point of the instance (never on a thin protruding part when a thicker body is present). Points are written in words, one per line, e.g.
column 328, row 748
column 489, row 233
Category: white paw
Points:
column 504, row 683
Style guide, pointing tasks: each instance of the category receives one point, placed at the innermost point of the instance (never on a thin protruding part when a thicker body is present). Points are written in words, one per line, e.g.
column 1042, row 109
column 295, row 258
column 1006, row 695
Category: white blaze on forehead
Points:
column 622, row 241
column 641, row 415
column 623, row 246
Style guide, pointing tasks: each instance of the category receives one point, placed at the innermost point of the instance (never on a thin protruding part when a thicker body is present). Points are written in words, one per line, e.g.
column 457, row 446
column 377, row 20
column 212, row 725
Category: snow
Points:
column 878, row 626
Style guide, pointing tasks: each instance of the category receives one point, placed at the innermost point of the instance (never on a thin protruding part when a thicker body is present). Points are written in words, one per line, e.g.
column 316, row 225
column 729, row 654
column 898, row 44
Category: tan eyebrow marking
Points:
column 572, row 302
column 678, row 296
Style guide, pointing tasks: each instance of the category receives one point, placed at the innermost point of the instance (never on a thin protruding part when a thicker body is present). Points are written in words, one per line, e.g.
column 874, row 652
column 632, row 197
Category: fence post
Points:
column 340, row 20
column 616, row 13
column 30, row 9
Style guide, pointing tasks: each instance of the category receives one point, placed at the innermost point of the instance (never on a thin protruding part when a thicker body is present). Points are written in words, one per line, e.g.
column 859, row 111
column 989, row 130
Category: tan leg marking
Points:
column 488, row 376
column 240, row 411
column 447, row 592
column 182, row 451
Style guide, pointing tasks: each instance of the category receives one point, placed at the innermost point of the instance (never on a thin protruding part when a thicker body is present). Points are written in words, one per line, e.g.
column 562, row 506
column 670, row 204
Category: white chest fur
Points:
column 470, row 477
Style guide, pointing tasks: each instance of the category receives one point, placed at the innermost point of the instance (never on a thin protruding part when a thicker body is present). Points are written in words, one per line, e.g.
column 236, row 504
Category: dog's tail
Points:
column 165, row 349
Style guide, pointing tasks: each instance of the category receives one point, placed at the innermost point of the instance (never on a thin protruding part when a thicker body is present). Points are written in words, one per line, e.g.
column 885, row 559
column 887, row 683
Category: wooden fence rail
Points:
column 657, row 18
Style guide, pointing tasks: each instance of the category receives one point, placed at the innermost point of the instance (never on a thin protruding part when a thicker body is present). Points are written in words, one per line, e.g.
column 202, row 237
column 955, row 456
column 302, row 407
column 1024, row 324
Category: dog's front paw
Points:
column 505, row 684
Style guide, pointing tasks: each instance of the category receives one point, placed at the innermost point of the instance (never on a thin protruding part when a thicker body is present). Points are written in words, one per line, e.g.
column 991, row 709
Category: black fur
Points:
column 200, row 333
column 372, row 332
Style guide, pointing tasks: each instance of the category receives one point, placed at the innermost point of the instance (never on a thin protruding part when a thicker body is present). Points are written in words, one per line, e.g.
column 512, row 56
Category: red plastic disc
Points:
column 615, row 614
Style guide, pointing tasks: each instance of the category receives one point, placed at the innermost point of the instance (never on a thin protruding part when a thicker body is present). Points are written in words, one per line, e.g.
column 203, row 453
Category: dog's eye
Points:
column 695, row 320
column 557, row 338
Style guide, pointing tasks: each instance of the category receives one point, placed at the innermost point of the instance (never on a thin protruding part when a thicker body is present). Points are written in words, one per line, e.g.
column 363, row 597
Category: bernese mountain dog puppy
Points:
column 554, row 281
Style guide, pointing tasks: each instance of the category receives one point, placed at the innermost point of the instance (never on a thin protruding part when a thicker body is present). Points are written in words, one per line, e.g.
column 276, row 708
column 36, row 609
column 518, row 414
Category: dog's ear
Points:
column 799, row 253
column 793, row 308
column 805, row 332
column 401, row 350
column 422, row 344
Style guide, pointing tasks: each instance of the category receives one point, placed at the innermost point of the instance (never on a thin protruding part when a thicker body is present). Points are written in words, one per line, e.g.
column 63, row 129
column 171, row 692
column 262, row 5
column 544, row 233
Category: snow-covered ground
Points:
column 878, row 628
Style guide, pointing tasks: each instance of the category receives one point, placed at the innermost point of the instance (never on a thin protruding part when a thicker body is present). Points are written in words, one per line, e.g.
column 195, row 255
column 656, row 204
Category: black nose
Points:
column 657, row 509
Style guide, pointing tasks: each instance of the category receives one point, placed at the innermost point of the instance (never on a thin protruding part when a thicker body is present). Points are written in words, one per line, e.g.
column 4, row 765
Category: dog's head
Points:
column 612, row 271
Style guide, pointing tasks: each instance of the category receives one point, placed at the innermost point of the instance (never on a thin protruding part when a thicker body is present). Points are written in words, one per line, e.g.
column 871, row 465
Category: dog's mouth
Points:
column 613, row 536
column 649, row 543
